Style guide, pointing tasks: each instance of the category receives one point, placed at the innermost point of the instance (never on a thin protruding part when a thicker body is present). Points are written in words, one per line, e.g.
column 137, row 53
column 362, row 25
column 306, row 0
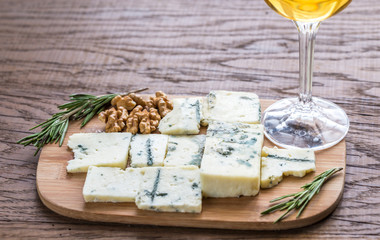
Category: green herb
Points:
column 301, row 199
column 81, row 106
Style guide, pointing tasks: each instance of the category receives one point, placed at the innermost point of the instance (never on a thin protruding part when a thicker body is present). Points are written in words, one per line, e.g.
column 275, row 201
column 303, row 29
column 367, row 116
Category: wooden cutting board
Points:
column 62, row 193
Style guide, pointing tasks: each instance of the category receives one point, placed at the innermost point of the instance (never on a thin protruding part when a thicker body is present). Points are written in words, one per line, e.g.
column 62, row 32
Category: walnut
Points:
column 160, row 94
column 154, row 117
column 125, row 102
column 133, row 120
column 140, row 118
column 162, row 103
column 145, row 123
column 132, row 124
column 139, row 100
column 114, row 119
column 150, row 104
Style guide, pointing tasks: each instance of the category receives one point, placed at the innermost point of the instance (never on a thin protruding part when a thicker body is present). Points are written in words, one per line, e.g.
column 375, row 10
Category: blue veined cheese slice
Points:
column 278, row 162
column 98, row 149
column 227, row 106
column 184, row 150
column 148, row 150
column 170, row 189
column 108, row 184
column 184, row 118
column 230, row 165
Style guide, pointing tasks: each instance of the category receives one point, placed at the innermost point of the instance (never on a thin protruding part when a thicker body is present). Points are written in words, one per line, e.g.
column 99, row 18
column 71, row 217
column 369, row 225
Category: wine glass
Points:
column 306, row 121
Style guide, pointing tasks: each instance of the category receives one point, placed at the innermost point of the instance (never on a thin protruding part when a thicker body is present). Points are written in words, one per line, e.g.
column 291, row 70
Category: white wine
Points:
column 306, row 121
column 307, row 10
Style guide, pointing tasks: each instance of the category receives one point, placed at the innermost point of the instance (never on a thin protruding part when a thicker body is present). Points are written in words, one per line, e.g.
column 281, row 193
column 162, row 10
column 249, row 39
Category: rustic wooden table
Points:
column 50, row 49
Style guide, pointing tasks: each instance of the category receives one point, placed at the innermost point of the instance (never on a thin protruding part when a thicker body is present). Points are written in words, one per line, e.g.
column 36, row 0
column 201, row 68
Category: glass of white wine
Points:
column 306, row 121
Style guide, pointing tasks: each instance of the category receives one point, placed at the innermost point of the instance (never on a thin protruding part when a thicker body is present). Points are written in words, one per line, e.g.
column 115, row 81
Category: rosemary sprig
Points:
column 81, row 106
column 301, row 199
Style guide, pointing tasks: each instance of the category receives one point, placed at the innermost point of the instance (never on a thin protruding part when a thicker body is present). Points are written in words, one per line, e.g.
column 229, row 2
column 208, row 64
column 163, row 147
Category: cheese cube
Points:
column 278, row 162
column 107, row 184
column 226, row 106
column 231, row 161
column 170, row 189
column 184, row 150
column 184, row 118
column 98, row 149
column 148, row 150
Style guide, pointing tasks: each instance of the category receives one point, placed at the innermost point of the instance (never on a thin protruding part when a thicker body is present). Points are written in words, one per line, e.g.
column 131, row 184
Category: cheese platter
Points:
column 62, row 192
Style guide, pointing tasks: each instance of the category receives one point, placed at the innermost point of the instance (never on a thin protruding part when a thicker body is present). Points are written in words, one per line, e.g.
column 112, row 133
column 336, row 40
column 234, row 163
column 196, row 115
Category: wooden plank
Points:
column 50, row 49
column 62, row 193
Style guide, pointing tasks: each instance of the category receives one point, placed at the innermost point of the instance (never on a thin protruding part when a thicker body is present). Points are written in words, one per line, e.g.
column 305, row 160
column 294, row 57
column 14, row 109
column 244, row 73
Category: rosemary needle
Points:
column 81, row 106
column 302, row 198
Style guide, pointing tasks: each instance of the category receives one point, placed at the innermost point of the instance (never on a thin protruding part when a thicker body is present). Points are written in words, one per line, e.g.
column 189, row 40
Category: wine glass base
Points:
column 317, row 125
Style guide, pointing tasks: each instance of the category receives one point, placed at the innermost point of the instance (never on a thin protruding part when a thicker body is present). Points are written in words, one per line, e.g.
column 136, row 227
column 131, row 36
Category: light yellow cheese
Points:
column 107, row 184
column 278, row 162
column 230, row 165
column 148, row 150
column 184, row 118
column 227, row 106
column 98, row 149
column 184, row 150
column 170, row 189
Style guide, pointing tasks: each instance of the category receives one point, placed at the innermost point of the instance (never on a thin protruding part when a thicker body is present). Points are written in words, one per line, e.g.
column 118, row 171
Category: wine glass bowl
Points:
column 307, row 10
column 318, row 125
column 306, row 121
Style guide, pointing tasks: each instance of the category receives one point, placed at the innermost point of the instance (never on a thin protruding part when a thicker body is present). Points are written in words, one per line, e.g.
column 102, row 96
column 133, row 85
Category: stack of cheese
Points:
column 170, row 171
column 174, row 188
column 170, row 189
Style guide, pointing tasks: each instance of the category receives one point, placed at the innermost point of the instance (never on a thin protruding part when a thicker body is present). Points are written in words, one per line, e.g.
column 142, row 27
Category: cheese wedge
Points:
column 184, row 118
column 148, row 150
column 184, row 150
column 231, row 161
column 227, row 106
column 107, row 184
column 98, row 149
column 170, row 189
column 278, row 162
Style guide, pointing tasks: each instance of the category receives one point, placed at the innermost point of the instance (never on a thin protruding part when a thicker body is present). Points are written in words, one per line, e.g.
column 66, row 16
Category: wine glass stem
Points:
column 307, row 33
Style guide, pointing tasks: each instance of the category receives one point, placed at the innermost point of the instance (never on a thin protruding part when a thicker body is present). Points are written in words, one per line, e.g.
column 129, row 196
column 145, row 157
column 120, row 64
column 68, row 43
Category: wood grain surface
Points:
column 62, row 192
column 50, row 49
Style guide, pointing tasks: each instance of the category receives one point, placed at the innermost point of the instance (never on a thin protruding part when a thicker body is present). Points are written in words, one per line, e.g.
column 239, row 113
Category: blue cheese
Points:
column 148, row 150
column 107, row 184
column 231, row 161
column 184, row 150
column 170, row 189
column 278, row 162
column 226, row 106
column 184, row 118
column 98, row 149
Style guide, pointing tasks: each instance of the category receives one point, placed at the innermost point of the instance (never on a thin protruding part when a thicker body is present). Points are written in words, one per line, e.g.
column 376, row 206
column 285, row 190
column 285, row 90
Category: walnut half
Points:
column 114, row 119
column 125, row 102
column 162, row 103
